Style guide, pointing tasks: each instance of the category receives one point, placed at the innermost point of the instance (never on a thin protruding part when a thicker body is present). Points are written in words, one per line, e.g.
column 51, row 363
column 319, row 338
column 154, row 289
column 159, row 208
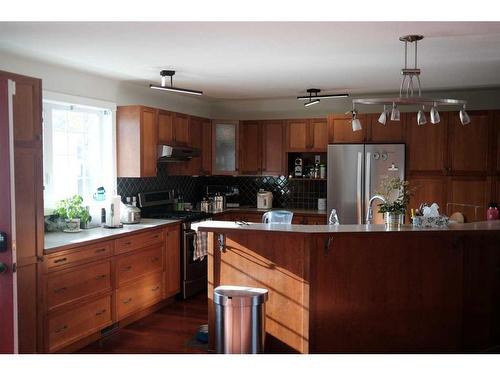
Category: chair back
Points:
column 277, row 217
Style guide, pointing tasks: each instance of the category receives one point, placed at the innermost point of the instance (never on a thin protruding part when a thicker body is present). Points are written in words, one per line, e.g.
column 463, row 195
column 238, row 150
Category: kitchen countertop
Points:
column 57, row 241
column 298, row 211
column 230, row 226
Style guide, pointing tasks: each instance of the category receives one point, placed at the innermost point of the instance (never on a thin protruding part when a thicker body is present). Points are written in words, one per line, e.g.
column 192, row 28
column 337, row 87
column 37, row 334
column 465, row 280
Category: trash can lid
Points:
column 239, row 295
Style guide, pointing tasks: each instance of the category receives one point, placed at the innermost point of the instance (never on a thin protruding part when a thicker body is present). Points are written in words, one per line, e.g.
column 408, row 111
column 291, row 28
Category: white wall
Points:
column 70, row 81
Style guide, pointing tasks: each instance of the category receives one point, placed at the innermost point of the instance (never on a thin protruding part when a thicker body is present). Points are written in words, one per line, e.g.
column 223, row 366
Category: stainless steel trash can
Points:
column 239, row 319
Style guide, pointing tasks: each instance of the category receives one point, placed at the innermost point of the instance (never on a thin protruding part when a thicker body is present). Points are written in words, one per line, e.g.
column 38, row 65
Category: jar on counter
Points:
column 492, row 212
column 322, row 171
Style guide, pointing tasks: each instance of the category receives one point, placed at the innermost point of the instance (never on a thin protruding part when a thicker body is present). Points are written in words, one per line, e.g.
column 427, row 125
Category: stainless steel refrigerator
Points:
column 355, row 172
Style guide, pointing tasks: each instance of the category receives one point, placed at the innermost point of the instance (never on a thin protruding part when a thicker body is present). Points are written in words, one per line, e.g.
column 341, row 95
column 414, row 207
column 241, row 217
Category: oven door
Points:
column 193, row 269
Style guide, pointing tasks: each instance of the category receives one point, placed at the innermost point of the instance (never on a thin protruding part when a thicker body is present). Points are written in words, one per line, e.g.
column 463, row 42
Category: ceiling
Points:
column 248, row 60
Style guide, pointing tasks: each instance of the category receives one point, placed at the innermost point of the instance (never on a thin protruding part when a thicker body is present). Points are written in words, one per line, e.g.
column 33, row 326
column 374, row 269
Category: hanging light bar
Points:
column 170, row 73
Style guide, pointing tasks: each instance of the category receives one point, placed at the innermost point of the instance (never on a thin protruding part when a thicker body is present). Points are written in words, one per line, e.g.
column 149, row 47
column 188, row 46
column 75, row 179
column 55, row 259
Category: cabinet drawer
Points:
column 139, row 263
column 80, row 254
column 136, row 241
column 144, row 292
column 78, row 282
column 79, row 322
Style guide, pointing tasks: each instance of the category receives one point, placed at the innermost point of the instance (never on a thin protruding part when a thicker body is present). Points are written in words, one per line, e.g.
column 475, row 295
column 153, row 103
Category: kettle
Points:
column 130, row 214
column 264, row 199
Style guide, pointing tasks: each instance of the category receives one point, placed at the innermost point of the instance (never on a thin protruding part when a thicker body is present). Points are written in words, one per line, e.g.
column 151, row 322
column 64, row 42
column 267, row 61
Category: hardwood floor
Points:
column 169, row 330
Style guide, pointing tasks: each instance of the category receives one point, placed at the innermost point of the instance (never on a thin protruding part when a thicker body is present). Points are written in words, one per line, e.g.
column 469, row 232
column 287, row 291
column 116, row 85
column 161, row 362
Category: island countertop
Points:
column 231, row 226
column 57, row 241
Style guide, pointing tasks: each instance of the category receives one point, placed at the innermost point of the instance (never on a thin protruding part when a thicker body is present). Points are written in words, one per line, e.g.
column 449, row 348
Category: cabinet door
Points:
column 496, row 127
column 340, row 129
column 319, row 135
column 149, row 142
column 469, row 196
column 426, row 145
column 165, row 127
column 392, row 131
column 428, row 189
column 206, row 147
column 273, row 155
column 194, row 166
column 468, row 144
column 181, row 129
column 225, row 147
column 297, row 135
column 250, row 142
column 172, row 262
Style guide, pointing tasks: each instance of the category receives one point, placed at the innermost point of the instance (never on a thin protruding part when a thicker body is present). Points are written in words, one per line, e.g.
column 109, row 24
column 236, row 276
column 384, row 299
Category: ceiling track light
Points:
column 410, row 92
column 383, row 116
column 314, row 98
column 170, row 73
column 356, row 124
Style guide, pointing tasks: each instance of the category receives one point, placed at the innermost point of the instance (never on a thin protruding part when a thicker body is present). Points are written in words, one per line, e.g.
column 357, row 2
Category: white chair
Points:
column 277, row 217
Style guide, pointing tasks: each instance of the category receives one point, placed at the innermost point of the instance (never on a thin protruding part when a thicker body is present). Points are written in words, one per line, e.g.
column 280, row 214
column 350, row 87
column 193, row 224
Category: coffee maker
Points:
column 298, row 168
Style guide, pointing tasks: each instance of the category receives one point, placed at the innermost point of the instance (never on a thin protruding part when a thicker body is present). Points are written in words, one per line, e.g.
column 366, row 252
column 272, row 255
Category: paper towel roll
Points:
column 113, row 211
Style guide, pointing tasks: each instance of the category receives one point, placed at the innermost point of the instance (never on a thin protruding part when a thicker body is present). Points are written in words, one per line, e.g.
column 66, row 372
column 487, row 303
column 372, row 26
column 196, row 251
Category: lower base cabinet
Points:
column 122, row 277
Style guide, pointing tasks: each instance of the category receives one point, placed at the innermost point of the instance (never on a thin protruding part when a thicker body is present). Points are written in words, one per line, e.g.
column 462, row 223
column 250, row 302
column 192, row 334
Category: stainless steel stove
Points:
column 159, row 205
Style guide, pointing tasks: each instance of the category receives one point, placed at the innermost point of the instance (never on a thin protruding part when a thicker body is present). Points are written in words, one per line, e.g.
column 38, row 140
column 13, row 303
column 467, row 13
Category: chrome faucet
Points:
column 369, row 210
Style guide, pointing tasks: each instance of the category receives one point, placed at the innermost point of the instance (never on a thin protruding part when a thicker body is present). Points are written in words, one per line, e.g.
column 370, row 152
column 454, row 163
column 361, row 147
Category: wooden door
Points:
column 165, row 127
column 250, row 154
column 426, row 145
column 297, row 135
column 340, row 129
column 468, row 144
column 172, row 261
column 149, row 142
column 318, row 130
column 181, row 129
column 273, row 154
column 206, row 147
column 7, row 228
column 469, row 191
column 392, row 131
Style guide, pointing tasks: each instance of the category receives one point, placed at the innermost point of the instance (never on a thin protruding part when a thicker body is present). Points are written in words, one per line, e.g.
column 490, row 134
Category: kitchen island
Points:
column 365, row 288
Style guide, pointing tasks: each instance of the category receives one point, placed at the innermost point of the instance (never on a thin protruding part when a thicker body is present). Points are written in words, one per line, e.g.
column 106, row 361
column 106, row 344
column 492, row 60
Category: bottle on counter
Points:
column 333, row 218
column 492, row 212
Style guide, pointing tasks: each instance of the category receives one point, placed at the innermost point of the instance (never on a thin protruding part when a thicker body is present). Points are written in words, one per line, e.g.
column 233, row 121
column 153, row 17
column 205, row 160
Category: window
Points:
column 79, row 149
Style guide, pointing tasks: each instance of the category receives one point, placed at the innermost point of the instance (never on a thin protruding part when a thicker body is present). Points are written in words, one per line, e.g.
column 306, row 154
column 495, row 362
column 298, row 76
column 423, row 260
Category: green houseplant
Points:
column 73, row 212
column 396, row 193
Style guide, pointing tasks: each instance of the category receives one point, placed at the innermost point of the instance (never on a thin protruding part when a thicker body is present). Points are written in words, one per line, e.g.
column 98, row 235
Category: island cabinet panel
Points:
column 391, row 131
column 172, row 273
column 408, row 300
column 468, row 145
column 72, row 325
column 426, row 146
column 273, row 155
column 340, row 129
column 280, row 265
column 250, row 148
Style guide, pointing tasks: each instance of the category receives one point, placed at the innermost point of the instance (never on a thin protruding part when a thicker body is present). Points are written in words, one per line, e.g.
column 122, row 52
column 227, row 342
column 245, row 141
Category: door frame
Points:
column 8, row 281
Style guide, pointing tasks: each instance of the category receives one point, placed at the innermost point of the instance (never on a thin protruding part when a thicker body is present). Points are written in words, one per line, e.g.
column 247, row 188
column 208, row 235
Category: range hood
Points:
column 168, row 153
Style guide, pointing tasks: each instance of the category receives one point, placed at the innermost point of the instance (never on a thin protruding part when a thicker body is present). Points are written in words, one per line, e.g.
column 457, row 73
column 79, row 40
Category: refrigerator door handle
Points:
column 368, row 180
column 358, row 189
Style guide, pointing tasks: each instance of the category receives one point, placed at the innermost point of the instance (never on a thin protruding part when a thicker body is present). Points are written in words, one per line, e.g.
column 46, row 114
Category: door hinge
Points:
column 14, row 267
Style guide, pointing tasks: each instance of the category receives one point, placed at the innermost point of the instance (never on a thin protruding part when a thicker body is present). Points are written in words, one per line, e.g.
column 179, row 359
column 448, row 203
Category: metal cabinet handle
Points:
column 155, row 289
column 60, row 260
column 101, row 277
column 63, row 328
column 100, row 250
column 100, row 312
column 155, row 259
column 126, row 269
column 127, row 301
column 60, row 290
column 156, row 236
column 127, row 243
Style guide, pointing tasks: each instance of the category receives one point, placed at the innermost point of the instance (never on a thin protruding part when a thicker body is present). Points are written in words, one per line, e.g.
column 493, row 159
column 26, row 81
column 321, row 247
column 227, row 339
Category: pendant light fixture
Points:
column 383, row 116
column 410, row 92
column 170, row 73
column 314, row 98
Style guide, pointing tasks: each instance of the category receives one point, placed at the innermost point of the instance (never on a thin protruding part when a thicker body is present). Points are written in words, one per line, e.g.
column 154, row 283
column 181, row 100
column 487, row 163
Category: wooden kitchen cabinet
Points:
column 250, row 148
column 426, row 146
column 468, row 145
column 165, row 127
column 136, row 141
column 225, row 145
column 473, row 191
column 273, row 155
column 181, row 129
column 306, row 135
column 172, row 276
column 392, row 131
column 429, row 189
column 340, row 129
column 28, row 179
column 139, row 294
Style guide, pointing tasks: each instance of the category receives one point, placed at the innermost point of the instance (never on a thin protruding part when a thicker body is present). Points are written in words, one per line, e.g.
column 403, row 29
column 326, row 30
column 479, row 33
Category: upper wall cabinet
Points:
column 391, row 131
column 468, row 145
column 200, row 138
column 273, row 155
column 340, row 129
column 173, row 128
column 250, row 147
column 426, row 145
column 136, row 141
column 225, row 147
column 181, row 129
column 306, row 135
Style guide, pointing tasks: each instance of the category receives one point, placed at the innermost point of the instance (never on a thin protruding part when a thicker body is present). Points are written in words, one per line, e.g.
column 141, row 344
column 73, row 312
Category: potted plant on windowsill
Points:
column 74, row 214
column 396, row 193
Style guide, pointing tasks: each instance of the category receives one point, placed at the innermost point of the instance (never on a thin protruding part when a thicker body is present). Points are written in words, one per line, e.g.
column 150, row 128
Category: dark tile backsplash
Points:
column 287, row 193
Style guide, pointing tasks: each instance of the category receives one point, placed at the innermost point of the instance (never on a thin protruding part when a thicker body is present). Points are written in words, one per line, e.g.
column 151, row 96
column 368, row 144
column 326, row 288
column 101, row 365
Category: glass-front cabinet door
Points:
column 225, row 147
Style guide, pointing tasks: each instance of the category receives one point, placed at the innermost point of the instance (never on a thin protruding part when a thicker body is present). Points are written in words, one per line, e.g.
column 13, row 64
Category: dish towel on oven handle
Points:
column 200, row 243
